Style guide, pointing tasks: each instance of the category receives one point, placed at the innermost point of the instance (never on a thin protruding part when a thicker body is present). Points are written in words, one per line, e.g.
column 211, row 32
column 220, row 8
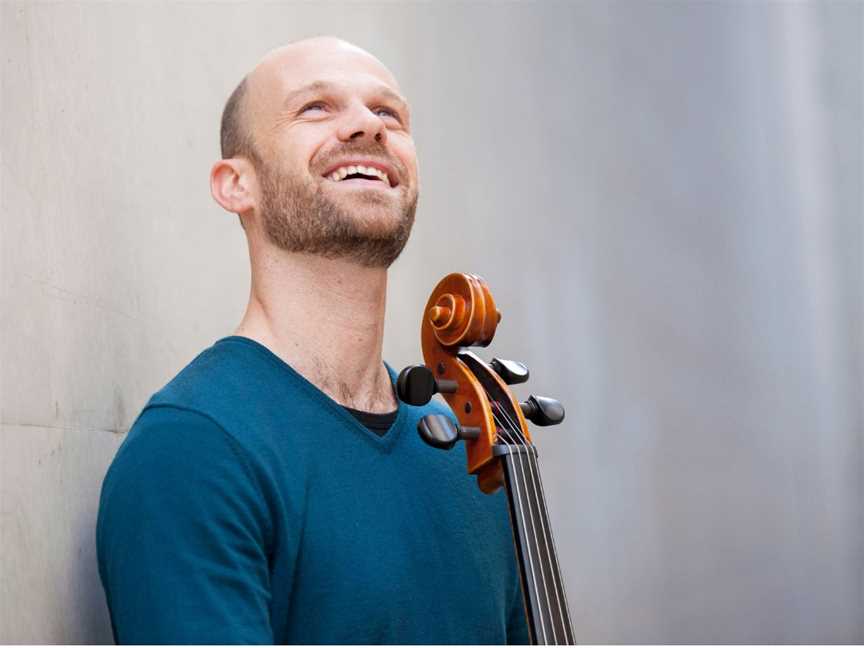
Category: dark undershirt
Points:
column 377, row 423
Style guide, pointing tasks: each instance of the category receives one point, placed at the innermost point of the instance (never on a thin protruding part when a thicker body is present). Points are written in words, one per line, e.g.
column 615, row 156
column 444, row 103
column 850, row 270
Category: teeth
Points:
column 342, row 172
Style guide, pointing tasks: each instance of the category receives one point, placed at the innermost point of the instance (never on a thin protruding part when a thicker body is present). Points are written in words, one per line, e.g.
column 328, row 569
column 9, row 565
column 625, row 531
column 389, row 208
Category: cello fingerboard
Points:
column 542, row 586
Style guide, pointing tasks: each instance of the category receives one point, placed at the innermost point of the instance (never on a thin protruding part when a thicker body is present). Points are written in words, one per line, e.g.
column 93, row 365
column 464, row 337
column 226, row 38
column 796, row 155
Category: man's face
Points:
column 337, row 167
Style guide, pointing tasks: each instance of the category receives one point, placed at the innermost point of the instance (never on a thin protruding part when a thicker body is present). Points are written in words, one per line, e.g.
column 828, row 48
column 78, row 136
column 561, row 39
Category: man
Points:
column 275, row 491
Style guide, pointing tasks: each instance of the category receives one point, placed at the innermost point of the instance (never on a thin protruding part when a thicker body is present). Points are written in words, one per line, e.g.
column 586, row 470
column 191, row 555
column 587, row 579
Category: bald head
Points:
column 311, row 51
column 317, row 154
column 261, row 91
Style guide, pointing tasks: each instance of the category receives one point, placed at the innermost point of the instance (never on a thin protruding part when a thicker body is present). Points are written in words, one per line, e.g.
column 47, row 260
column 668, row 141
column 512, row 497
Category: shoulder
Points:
column 178, row 464
column 231, row 366
column 174, row 443
column 170, row 426
column 242, row 388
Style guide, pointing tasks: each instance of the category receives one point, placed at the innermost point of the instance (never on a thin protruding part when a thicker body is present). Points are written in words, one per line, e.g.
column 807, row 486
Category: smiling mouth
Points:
column 367, row 174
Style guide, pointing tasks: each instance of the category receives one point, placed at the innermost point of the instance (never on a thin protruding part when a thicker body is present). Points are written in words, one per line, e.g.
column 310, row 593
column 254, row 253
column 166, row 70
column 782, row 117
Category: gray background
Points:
column 666, row 199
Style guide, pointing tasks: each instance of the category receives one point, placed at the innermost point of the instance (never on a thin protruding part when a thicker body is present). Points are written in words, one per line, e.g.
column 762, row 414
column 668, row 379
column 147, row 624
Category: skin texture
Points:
column 319, row 249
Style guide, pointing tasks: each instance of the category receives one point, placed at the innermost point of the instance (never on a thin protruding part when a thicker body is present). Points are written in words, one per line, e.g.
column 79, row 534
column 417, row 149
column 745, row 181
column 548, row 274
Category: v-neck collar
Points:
column 384, row 442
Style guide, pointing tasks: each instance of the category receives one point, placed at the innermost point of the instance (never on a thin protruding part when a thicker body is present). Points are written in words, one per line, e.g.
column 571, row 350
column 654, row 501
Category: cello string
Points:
column 568, row 626
column 507, row 428
column 525, row 532
column 527, row 504
column 547, row 536
column 514, row 430
column 564, row 611
column 522, row 505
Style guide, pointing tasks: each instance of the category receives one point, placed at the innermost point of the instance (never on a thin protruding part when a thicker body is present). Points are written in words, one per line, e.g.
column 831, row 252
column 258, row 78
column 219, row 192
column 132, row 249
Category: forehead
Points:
column 336, row 65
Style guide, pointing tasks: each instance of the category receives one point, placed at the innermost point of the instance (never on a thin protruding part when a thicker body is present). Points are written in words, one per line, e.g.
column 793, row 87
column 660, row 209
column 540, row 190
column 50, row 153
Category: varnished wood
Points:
column 461, row 313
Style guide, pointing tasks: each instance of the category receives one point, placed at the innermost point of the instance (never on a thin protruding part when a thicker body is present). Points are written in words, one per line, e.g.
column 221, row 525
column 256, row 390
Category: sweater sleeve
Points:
column 183, row 534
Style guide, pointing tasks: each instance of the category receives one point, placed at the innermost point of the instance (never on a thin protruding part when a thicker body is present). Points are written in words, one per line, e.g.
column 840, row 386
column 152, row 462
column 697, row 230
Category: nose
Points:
column 361, row 124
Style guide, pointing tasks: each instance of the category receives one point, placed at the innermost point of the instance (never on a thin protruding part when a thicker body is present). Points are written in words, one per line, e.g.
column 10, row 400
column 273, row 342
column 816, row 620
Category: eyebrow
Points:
column 324, row 86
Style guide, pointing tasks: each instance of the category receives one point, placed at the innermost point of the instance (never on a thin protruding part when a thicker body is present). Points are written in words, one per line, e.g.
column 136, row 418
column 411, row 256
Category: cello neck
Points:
column 542, row 586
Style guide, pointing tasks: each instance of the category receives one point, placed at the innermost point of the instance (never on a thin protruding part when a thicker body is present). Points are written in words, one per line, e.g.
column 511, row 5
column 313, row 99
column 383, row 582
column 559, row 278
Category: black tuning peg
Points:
column 417, row 384
column 511, row 372
column 439, row 431
column 543, row 411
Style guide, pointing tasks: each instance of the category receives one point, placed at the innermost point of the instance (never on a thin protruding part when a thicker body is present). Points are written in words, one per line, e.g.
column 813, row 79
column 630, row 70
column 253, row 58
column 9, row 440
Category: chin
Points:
column 378, row 223
column 373, row 208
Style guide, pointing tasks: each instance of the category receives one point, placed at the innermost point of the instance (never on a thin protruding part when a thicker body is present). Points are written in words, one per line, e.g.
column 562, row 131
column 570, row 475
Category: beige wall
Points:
column 665, row 198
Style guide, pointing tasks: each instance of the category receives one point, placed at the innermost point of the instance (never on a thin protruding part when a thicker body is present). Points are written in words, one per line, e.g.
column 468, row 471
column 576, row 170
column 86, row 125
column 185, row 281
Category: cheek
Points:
column 408, row 156
column 295, row 153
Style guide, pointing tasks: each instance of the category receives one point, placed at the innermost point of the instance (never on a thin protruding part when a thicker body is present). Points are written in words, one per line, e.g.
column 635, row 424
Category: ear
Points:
column 231, row 183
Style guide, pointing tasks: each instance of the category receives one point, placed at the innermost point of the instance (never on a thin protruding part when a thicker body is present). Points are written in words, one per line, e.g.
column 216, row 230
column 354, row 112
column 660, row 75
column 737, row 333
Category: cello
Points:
column 461, row 313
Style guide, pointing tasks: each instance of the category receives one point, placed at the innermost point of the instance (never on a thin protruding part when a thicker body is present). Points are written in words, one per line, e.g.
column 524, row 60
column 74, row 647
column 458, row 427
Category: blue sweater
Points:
column 246, row 506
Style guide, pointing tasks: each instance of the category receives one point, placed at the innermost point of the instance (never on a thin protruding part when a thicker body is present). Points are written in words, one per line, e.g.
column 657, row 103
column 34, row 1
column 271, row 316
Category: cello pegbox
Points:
column 461, row 313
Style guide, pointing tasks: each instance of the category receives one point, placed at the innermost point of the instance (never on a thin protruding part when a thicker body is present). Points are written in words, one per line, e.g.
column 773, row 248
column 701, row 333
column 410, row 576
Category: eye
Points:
column 383, row 111
column 314, row 106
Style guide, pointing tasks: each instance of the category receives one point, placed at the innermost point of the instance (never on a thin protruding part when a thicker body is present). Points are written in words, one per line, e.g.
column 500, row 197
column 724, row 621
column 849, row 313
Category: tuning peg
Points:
column 439, row 431
column 543, row 411
column 511, row 372
column 417, row 384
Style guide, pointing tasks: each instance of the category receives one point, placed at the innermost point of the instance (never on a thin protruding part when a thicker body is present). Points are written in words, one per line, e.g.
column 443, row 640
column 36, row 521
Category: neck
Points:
column 325, row 318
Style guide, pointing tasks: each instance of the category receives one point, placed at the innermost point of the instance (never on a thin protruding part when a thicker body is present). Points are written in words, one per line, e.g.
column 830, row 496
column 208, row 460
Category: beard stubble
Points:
column 298, row 217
